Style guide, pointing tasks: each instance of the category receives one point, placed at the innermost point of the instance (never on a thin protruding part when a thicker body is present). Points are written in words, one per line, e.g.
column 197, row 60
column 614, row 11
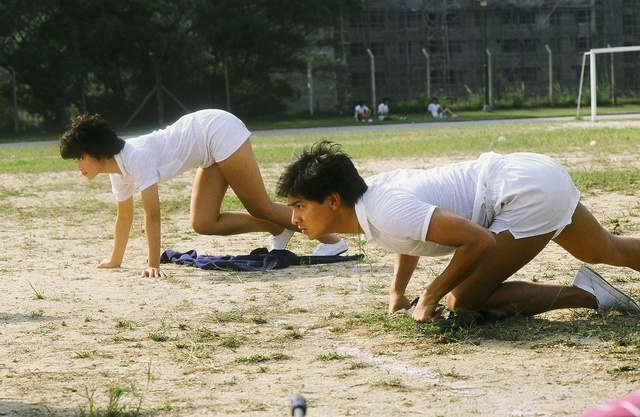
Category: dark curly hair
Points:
column 90, row 135
column 319, row 171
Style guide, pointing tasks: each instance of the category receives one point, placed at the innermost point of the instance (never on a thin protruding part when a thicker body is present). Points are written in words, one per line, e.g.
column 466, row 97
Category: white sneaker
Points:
column 608, row 297
column 331, row 249
column 280, row 241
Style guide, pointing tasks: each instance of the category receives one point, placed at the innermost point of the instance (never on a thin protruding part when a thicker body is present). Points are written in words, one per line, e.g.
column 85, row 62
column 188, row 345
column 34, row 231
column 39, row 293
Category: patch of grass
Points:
column 258, row 358
column 122, row 400
column 36, row 314
column 295, row 334
column 205, row 334
column 37, row 295
column 158, row 336
column 395, row 383
column 358, row 365
column 231, row 342
column 252, row 359
column 125, row 324
column 331, row 356
column 624, row 181
column 233, row 316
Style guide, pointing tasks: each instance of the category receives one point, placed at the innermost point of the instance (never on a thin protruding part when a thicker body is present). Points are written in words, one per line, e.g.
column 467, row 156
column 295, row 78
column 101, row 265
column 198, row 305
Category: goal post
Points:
column 592, row 73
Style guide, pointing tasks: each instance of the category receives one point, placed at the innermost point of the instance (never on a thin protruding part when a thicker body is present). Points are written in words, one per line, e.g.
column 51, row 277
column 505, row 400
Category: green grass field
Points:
column 452, row 140
column 203, row 337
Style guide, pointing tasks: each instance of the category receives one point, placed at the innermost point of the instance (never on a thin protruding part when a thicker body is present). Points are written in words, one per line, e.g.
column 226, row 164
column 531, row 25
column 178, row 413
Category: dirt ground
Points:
column 218, row 343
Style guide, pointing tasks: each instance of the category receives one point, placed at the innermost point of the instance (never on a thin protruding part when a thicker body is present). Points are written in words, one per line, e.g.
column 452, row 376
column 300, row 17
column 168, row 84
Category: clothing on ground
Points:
column 259, row 259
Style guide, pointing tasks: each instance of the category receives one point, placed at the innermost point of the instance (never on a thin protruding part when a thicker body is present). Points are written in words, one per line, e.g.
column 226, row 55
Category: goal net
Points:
column 592, row 73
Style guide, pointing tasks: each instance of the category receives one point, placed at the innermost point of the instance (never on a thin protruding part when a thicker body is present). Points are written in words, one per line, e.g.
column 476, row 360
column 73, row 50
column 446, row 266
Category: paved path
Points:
column 366, row 127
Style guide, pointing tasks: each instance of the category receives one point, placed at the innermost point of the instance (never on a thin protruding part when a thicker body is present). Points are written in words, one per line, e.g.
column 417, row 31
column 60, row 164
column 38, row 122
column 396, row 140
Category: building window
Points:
column 583, row 16
column 578, row 71
column 432, row 46
column 378, row 48
column 453, row 19
column 354, row 22
column 528, row 45
column 412, row 20
column 455, row 47
column 629, row 57
column 359, row 79
column 528, row 74
column 527, row 17
column 381, row 79
column 455, row 77
column 409, row 49
column 376, row 20
column 516, row 46
column 402, row 21
column 509, row 46
column 583, row 43
column 518, row 17
column 357, row 49
column 630, row 76
column 629, row 24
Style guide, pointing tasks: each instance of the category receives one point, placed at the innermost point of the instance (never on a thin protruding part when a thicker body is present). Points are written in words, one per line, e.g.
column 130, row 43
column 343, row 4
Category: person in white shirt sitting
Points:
column 383, row 111
column 362, row 112
column 437, row 111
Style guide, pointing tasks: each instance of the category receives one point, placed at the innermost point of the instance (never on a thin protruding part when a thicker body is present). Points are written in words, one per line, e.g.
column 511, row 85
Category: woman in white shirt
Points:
column 216, row 142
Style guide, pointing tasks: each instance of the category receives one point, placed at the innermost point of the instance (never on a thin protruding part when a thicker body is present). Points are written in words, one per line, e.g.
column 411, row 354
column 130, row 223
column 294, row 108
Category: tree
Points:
column 72, row 56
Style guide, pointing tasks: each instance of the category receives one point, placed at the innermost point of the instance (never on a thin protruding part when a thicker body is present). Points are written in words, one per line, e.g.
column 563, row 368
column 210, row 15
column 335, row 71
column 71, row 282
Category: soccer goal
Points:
column 592, row 73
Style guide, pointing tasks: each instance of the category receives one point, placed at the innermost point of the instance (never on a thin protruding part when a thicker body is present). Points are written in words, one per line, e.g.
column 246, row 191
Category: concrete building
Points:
column 454, row 48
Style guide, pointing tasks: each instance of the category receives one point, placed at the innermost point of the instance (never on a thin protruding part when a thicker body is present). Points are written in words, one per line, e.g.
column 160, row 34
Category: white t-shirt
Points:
column 527, row 194
column 361, row 110
column 433, row 109
column 383, row 111
column 198, row 139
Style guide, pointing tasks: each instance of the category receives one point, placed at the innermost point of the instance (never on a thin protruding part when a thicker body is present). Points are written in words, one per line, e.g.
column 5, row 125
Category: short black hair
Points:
column 319, row 171
column 90, row 135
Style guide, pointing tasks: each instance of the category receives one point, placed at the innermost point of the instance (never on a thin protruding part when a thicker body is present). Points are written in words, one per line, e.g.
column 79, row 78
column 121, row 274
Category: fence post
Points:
column 550, row 75
column 373, row 81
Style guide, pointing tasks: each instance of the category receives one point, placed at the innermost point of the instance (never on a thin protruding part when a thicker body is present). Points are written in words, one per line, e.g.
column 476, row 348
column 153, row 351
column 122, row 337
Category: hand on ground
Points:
column 398, row 302
column 153, row 273
column 424, row 312
column 106, row 263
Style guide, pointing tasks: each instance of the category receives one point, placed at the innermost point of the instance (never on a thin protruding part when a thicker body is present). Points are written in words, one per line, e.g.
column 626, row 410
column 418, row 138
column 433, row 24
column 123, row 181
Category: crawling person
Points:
column 494, row 214
column 214, row 141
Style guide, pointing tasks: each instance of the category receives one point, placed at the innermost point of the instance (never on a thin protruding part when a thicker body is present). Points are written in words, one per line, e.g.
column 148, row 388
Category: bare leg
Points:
column 486, row 288
column 209, row 189
column 240, row 172
column 589, row 242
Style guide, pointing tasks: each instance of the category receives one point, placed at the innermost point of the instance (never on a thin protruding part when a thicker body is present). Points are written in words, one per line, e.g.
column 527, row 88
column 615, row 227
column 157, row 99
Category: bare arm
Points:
column 472, row 242
column 403, row 268
column 121, row 230
column 152, row 228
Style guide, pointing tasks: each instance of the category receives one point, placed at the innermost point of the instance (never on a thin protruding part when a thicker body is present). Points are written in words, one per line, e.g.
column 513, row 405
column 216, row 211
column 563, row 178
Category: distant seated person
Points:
column 383, row 111
column 363, row 113
column 438, row 111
